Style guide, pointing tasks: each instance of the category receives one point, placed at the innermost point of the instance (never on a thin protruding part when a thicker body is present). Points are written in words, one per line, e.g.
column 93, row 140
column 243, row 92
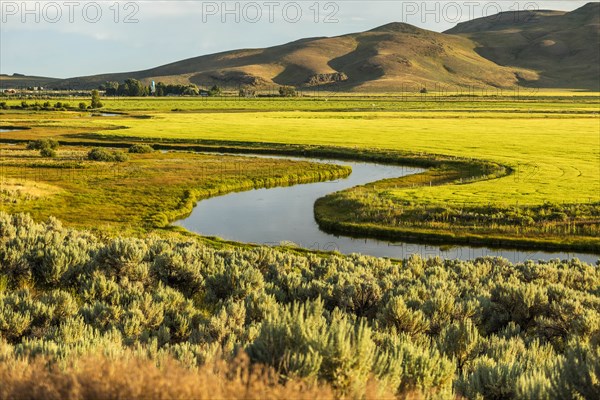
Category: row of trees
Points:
column 131, row 87
column 135, row 88
column 95, row 103
column 431, row 327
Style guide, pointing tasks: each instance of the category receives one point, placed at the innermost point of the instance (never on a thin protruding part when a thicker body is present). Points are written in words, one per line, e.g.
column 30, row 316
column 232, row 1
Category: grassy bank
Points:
column 370, row 211
column 146, row 192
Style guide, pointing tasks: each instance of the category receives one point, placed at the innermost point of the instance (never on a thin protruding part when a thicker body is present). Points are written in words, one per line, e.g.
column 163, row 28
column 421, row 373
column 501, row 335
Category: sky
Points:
column 75, row 38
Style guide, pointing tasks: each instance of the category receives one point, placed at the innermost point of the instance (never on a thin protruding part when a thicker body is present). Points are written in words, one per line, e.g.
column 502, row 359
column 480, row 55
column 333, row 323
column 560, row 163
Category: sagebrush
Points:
column 429, row 327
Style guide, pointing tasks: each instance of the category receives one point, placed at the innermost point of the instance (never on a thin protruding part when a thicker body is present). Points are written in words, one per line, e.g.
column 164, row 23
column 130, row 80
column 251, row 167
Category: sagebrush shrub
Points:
column 429, row 327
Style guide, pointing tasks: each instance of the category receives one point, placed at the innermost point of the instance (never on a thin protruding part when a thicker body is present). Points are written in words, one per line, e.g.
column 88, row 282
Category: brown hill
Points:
column 392, row 57
column 20, row 81
column 563, row 47
column 538, row 48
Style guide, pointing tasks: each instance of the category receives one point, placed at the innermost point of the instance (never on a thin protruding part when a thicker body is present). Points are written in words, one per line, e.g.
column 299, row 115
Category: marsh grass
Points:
column 146, row 192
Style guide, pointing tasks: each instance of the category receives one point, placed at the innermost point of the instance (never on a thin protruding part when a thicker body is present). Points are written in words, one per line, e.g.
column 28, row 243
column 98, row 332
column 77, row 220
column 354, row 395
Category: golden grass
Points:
column 26, row 188
column 100, row 377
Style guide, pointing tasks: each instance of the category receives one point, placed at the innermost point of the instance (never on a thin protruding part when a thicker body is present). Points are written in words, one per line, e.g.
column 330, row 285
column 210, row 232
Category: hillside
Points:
column 563, row 47
column 392, row 57
column 553, row 49
column 19, row 81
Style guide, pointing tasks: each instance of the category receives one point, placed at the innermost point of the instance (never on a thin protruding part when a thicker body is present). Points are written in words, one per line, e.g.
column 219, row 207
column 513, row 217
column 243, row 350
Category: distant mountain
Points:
column 392, row 57
column 20, row 81
column 541, row 48
column 563, row 47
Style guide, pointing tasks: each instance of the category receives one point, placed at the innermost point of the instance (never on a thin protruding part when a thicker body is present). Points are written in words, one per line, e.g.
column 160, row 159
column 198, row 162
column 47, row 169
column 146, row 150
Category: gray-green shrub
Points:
column 480, row 329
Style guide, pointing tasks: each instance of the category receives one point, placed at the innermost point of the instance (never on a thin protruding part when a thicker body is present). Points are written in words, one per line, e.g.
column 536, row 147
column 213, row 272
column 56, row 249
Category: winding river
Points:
column 283, row 215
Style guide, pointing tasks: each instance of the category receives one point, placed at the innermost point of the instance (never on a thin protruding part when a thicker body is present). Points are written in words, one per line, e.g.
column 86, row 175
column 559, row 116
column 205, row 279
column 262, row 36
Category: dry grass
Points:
column 99, row 377
column 14, row 189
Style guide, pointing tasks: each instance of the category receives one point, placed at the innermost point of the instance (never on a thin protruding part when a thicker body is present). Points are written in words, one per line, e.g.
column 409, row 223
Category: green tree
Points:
column 191, row 90
column 141, row 148
column 111, row 88
column 100, row 154
column 134, row 88
column 47, row 152
column 161, row 89
column 214, row 91
column 96, row 103
column 47, row 147
column 287, row 91
column 42, row 144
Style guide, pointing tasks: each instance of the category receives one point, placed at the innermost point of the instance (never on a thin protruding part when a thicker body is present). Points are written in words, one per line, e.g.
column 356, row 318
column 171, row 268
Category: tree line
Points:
column 135, row 88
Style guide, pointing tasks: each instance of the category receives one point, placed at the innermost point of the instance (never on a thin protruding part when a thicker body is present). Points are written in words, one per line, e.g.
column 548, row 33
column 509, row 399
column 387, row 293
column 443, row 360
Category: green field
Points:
column 552, row 145
column 145, row 192
column 536, row 143
column 547, row 147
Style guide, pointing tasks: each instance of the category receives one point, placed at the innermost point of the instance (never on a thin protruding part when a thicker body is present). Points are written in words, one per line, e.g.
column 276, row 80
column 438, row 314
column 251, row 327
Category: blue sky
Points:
column 74, row 38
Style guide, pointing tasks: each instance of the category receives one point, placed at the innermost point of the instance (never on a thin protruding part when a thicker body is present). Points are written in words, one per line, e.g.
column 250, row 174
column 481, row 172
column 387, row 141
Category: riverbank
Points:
column 359, row 211
column 499, row 170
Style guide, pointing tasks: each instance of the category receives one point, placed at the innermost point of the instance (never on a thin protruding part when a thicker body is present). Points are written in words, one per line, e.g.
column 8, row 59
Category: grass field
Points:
column 145, row 192
column 538, row 137
column 549, row 143
column 536, row 146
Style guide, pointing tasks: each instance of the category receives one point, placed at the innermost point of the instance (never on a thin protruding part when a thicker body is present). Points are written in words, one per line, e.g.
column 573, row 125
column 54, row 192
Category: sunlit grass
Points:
column 550, row 143
column 147, row 191
column 555, row 157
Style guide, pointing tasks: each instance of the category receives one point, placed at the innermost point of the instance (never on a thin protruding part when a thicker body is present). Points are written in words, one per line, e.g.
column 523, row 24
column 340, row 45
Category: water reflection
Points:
column 285, row 215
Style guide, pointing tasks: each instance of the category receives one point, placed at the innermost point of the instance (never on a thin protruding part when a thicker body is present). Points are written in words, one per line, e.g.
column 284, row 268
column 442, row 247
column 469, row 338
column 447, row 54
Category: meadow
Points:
column 533, row 140
column 147, row 191
column 535, row 144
